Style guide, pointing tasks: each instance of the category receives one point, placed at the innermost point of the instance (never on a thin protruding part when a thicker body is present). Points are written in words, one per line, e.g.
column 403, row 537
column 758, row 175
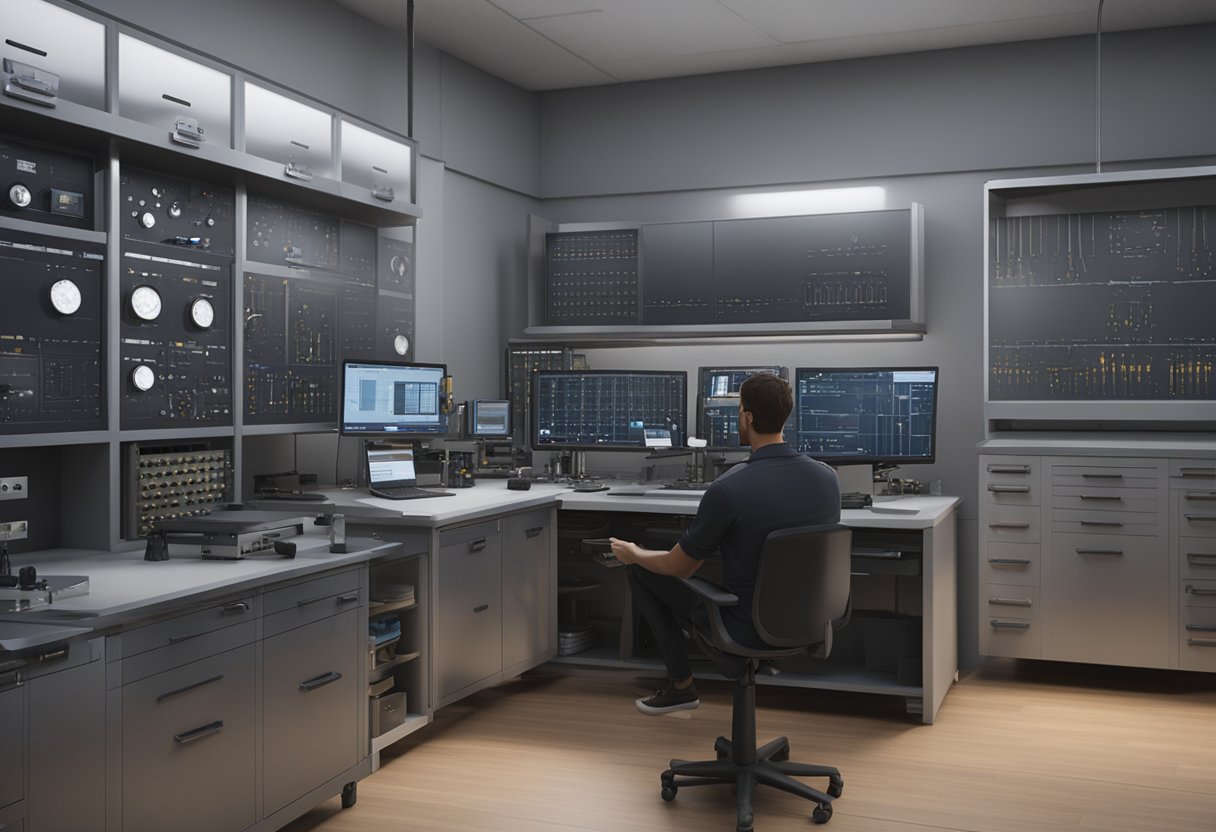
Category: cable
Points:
column 1098, row 91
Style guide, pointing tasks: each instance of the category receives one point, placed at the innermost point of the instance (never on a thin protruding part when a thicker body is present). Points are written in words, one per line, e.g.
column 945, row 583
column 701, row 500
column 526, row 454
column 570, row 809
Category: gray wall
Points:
column 929, row 128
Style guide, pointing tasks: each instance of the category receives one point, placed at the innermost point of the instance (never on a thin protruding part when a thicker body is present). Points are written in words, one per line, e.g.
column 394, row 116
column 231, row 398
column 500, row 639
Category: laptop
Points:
column 391, row 474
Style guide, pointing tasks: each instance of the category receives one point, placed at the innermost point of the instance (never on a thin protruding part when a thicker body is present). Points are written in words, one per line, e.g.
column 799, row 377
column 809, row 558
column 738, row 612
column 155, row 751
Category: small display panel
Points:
column 718, row 403
column 390, row 467
column 490, row 418
column 608, row 409
column 381, row 397
column 867, row 415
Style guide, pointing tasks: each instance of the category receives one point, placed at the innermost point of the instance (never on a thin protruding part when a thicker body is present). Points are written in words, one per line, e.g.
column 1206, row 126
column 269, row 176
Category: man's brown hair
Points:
column 769, row 400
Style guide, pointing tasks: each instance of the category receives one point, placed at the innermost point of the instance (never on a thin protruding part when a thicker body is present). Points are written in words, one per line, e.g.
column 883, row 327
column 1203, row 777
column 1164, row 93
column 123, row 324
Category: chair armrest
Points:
column 711, row 593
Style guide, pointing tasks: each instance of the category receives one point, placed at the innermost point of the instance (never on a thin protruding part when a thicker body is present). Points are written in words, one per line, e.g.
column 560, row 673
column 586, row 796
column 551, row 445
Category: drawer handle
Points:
column 199, row 733
column 477, row 545
column 482, row 608
column 348, row 599
column 1201, row 642
column 1201, row 558
column 1200, row 592
column 1008, row 525
column 173, row 693
column 1011, row 602
column 1101, row 497
column 1106, row 524
column 231, row 609
column 1010, row 489
column 1102, row 476
column 1009, row 561
column 53, row 655
column 320, row 681
column 1002, row 624
column 187, row 637
column 16, row 682
column 1201, row 628
column 1207, row 473
column 1200, row 518
column 1099, row 551
column 534, row 531
column 1008, row 469
column 1201, row 496
column 310, row 601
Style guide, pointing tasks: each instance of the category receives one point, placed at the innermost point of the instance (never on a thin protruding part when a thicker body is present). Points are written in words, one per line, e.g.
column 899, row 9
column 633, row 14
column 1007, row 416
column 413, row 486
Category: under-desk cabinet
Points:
column 529, row 593
column 1099, row 559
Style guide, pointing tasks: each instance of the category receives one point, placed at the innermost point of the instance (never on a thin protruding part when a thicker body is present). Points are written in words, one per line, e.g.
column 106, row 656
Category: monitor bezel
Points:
column 471, row 419
column 399, row 434
column 700, row 416
column 534, row 433
column 870, row 460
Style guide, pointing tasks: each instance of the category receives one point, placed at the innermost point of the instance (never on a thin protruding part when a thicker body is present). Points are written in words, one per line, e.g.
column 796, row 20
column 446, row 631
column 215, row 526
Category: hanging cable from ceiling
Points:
column 1098, row 91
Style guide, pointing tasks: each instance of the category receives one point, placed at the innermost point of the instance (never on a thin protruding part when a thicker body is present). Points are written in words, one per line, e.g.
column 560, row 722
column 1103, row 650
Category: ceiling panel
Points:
column 523, row 9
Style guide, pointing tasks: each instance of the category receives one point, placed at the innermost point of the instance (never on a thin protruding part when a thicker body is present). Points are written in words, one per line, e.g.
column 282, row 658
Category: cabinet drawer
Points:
column 1011, row 524
column 311, row 704
column 1105, row 522
column 311, row 601
column 1198, row 594
column 1197, row 640
column 469, row 534
column 191, row 647
column 1186, row 473
column 1105, row 498
column 468, row 612
column 12, row 738
column 1197, row 557
column 1013, row 563
column 182, row 628
column 1010, row 480
column 1126, row 476
column 188, row 747
column 1197, row 522
column 1012, row 621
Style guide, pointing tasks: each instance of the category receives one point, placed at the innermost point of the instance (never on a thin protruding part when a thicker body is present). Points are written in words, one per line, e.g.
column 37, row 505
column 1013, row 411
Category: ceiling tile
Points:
column 524, row 9
column 674, row 66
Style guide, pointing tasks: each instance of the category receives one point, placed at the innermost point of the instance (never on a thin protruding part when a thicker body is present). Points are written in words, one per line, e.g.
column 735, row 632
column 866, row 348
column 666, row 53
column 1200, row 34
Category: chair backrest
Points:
column 802, row 586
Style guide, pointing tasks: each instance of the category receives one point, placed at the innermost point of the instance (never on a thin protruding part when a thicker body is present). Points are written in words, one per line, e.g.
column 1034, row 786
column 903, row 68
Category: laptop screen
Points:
column 390, row 468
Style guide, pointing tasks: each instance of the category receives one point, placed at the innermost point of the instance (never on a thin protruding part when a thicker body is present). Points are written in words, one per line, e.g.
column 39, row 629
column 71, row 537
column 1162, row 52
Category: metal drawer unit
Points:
column 180, row 640
column 1193, row 550
column 311, row 600
column 1010, row 555
column 468, row 608
column 529, row 596
column 312, row 693
column 1197, row 619
column 12, row 736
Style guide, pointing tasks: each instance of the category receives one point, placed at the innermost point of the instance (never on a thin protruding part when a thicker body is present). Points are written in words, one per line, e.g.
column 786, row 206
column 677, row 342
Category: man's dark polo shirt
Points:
column 776, row 489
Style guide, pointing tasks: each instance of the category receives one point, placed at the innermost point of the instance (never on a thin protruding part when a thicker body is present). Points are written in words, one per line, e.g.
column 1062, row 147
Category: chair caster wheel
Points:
column 669, row 793
column 822, row 814
column 349, row 795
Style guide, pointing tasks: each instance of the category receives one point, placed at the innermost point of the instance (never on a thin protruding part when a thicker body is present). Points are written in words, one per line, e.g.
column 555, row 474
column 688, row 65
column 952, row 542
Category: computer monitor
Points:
column 388, row 398
column 867, row 415
column 595, row 410
column 718, row 403
column 489, row 418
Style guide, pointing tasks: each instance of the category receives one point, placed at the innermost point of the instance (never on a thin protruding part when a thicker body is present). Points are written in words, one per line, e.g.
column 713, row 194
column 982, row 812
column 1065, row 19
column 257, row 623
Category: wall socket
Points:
column 14, row 488
column 14, row 530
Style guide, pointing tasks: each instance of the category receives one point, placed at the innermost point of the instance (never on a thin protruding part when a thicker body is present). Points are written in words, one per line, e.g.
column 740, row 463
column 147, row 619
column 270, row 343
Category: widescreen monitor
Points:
column 718, row 403
column 488, row 418
column 388, row 398
column 885, row 415
column 585, row 410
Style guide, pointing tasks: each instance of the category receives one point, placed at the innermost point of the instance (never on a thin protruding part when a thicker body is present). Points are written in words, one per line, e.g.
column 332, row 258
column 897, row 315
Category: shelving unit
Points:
column 408, row 665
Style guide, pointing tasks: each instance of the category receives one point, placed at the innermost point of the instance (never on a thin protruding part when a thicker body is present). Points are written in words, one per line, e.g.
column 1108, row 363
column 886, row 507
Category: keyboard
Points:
column 408, row 492
column 305, row 496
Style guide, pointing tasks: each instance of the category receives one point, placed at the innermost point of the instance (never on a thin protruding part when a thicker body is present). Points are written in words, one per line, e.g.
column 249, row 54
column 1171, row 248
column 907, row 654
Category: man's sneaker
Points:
column 670, row 699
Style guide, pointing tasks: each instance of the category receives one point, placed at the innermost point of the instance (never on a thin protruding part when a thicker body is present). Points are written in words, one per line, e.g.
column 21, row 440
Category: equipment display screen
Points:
column 609, row 409
column 381, row 397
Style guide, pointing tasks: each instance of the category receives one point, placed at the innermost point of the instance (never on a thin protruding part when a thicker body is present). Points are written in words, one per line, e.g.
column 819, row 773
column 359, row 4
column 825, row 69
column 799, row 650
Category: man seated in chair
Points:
column 776, row 488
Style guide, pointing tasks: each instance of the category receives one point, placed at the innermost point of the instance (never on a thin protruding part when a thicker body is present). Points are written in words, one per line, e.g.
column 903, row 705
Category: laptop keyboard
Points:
column 408, row 492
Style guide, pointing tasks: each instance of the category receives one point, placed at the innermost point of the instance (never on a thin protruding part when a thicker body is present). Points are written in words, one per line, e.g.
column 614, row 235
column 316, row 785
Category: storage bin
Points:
column 387, row 712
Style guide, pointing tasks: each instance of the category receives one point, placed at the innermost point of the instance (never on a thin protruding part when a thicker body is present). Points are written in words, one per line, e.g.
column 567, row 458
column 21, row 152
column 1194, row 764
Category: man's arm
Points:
column 676, row 562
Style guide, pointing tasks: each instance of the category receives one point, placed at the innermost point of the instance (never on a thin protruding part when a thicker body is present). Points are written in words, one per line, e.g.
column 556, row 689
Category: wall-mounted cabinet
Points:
column 377, row 163
column 289, row 132
column 192, row 101
column 44, row 38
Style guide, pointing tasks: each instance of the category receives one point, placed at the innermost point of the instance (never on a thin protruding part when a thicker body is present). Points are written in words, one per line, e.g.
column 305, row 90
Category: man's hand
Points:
column 625, row 551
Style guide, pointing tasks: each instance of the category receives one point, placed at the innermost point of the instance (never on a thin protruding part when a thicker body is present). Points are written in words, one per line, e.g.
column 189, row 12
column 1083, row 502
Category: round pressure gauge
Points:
column 143, row 378
column 19, row 196
column 401, row 344
column 400, row 264
column 65, row 297
column 202, row 313
column 175, row 210
column 145, row 303
column 147, row 219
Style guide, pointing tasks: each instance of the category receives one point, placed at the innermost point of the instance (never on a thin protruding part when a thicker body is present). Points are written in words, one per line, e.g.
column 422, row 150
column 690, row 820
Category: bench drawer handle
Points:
column 1002, row 624
column 1010, row 561
column 199, row 733
column 320, row 681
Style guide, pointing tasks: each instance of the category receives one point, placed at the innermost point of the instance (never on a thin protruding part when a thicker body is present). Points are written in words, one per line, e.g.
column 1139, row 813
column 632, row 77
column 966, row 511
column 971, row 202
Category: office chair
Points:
column 801, row 597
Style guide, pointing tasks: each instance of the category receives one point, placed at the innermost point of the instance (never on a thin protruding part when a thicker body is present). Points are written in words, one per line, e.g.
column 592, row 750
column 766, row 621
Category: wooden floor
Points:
column 1017, row 746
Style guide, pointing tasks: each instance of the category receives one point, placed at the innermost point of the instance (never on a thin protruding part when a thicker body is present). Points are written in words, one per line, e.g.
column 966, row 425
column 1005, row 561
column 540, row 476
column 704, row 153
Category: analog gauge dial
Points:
column 19, row 195
column 147, row 219
column 65, row 297
column 400, row 265
column 143, row 378
column 145, row 303
column 401, row 344
column 202, row 313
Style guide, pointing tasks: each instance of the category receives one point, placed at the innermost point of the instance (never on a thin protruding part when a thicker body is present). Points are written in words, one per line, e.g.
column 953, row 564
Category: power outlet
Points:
column 14, row 530
column 14, row 488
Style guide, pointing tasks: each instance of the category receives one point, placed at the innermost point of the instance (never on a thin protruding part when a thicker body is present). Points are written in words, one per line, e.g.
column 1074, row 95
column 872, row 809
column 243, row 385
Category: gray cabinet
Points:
column 12, row 737
column 529, row 597
column 311, row 693
column 1011, row 553
column 12, row 818
column 468, row 607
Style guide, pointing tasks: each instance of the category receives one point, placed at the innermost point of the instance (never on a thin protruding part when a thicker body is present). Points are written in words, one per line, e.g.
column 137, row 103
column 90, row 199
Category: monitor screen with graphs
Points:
column 718, row 404
column 388, row 398
column 609, row 409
